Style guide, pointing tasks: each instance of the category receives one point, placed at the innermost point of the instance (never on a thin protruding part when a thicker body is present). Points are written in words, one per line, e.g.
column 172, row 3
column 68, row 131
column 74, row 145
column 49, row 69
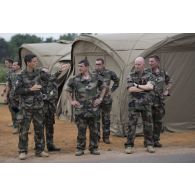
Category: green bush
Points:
column 2, row 75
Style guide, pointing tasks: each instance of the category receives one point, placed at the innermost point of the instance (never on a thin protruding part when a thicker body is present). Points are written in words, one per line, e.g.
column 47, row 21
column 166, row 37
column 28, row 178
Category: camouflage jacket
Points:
column 109, row 76
column 161, row 80
column 139, row 100
column 11, row 80
column 29, row 99
column 50, row 93
column 85, row 91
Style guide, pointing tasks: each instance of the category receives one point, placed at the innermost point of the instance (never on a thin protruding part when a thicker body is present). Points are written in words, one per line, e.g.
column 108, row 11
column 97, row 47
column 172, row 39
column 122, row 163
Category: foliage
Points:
column 2, row 74
column 10, row 49
column 4, row 49
column 69, row 36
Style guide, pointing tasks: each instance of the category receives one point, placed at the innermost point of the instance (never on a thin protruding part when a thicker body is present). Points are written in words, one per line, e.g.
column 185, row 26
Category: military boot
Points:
column 22, row 156
column 42, row 154
column 129, row 150
column 52, row 148
column 157, row 144
column 79, row 152
column 150, row 149
column 106, row 140
column 95, row 152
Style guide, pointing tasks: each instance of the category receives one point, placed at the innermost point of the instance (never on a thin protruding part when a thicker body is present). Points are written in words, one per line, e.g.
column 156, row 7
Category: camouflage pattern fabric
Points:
column 140, row 103
column 158, row 108
column 13, row 98
column 85, row 92
column 31, row 108
column 50, row 97
column 35, row 115
column 106, row 105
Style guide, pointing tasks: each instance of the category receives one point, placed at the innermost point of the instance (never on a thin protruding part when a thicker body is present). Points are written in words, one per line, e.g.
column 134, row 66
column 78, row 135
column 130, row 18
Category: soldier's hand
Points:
column 166, row 92
column 35, row 87
column 97, row 102
column 75, row 103
column 65, row 67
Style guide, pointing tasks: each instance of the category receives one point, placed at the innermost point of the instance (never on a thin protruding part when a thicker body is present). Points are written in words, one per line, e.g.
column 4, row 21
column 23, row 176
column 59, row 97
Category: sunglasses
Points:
column 98, row 64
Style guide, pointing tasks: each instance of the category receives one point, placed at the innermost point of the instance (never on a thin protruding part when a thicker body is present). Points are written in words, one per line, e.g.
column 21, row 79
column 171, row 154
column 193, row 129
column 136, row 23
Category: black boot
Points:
column 52, row 148
column 106, row 140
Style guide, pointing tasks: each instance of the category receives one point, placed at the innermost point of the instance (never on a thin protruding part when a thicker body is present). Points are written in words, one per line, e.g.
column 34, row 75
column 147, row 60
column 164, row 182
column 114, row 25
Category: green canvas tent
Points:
column 177, row 53
column 49, row 55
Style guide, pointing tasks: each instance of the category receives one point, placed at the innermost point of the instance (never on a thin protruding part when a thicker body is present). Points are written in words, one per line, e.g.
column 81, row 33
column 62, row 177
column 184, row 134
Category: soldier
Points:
column 14, row 99
column 84, row 88
column 106, row 105
column 28, row 86
column 8, row 64
column 139, row 85
column 50, row 97
column 161, row 90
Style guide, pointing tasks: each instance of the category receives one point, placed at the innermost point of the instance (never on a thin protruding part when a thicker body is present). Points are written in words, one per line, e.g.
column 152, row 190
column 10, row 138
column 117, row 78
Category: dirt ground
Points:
column 65, row 137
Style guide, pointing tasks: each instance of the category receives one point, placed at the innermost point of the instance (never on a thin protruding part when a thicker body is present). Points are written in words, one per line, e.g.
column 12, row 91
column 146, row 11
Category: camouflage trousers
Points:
column 158, row 113
column 13, row 114
column 105, row 110
column 82, row 124
column 49, row 121
column 146, row 114
column 35, row 115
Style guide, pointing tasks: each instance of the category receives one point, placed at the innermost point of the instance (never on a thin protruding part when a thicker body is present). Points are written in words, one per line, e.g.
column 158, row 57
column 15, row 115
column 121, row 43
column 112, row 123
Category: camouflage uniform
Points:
column 32, row 109
column 50, row 97
column 106, row 105
column 8, row 81
column 13, row 99
column 85, row 92
column 140, row 103
column 158, row 109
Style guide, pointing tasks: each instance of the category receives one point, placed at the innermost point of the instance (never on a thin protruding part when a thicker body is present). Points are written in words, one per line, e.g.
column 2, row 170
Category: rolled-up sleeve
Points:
column 70, row 85
column 130, row 82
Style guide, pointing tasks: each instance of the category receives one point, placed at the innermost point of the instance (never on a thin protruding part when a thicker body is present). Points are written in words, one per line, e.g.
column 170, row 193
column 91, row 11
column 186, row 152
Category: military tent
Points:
column 177, row 53
column 49, row 55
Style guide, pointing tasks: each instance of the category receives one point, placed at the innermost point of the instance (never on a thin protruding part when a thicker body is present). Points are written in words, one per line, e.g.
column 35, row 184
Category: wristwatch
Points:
column 100, row 99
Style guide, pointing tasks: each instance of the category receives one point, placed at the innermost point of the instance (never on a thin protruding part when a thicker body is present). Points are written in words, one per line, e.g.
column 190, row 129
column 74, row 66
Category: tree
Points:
column 49, row 40
column 69, row 36
column 4, row 49
column 19, row 39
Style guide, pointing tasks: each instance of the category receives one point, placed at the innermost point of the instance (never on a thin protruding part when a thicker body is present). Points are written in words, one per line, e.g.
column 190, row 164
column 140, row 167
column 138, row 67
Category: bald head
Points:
column 139, row 64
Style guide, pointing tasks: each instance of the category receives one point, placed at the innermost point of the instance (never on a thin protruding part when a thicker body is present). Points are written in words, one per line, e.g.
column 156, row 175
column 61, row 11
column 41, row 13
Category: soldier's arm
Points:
column 116, row 80
column 148, row 87
column 168, row 82
column 102, row 85
column 131, row 86
column 21, row 90
column 69, row 91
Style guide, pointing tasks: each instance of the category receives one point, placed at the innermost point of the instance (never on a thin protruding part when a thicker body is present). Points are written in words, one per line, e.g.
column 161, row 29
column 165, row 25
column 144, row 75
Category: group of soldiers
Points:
column 32, row 95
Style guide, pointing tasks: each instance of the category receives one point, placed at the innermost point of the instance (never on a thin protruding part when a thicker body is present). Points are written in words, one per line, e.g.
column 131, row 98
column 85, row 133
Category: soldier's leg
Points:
column 98, row 124
column 133, row 118
column 49, row 126
column 82, row 127
column 106, row 120
column 158, row 114
column 38, row 130
column 147, row 125
column 11, row 112
column 93, row 139
column 23, row 131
